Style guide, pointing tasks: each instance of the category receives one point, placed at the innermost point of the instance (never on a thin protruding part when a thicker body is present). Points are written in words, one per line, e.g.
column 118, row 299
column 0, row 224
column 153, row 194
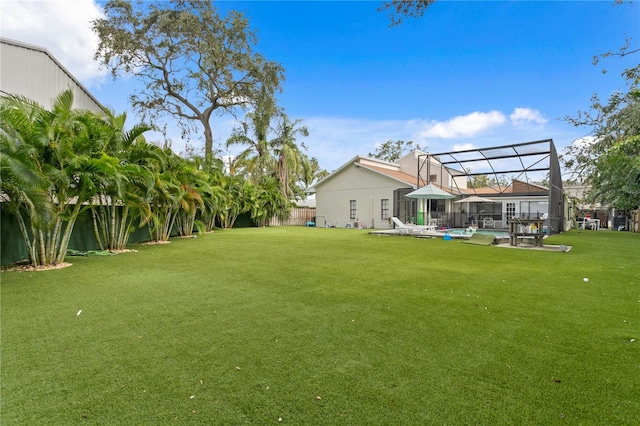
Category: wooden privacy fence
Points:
column 298, row 216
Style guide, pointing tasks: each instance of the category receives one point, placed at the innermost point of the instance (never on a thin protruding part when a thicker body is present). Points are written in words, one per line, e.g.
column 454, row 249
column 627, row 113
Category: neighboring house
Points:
column 34, row 73
column 579, row 210
column 366, row 192
column 577, row 192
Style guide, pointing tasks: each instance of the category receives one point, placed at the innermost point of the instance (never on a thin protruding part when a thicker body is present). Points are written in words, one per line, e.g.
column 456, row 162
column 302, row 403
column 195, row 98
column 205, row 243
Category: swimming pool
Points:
column 496, row 233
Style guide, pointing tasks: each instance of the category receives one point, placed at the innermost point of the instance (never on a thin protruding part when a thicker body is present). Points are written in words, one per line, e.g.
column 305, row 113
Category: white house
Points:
column 366, row 192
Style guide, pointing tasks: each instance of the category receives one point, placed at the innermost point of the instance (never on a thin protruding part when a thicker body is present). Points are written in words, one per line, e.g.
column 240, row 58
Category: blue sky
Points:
column 466, row 74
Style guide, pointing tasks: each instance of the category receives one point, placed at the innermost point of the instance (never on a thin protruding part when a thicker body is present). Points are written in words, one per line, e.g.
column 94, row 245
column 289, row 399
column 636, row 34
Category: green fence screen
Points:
column 14, row 251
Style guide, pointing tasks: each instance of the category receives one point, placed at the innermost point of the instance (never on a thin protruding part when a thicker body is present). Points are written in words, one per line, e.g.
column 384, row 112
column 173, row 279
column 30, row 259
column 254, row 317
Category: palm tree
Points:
column 237, row 193
column 23, row 187
column 193, row 187
column 213, row 194
column 267, row 201
column 162, row 194
column 256, row 159
column 310, row 173
column 119, row 202
column 67, row 153
column 289, row 157
column 265, row 161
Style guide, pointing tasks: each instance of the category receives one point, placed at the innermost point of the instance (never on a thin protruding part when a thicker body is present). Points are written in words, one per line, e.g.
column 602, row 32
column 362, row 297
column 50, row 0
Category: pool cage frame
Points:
column 509, row 165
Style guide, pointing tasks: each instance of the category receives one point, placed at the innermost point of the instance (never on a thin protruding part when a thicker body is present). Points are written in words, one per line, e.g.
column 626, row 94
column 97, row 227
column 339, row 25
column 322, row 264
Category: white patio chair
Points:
column 488, row 222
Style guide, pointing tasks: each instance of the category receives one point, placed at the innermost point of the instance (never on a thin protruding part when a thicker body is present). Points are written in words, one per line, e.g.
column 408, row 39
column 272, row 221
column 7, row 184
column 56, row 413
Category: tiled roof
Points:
column 396, row 174
column 409, row 179
column 517, row 187
column 485, row 190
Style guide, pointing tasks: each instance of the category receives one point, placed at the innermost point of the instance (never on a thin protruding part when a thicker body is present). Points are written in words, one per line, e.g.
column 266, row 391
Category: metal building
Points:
column 33, row 72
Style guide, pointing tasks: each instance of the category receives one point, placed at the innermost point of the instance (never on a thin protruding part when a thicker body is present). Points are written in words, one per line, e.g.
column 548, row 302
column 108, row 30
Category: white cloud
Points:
column 334, row 140
column 464, row 125
column 523, row 116
column 584, row 141
column 463, row 147
column 62, row 27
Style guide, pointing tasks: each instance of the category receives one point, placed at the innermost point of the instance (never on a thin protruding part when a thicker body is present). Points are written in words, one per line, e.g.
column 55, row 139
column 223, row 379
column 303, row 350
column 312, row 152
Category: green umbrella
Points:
column 430, row 192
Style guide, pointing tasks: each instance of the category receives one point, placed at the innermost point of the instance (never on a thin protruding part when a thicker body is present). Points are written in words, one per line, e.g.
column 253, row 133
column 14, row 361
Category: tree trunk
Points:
column 41, row 243
column 123, row 234
column 112, row 233
column 96, row 226
column 31, row 247
column 208, row 138
column 62, row 250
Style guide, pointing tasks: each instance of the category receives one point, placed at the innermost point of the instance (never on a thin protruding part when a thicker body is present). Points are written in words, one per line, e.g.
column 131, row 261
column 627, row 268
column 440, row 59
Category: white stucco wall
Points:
column 409, row 164
column 367, row 188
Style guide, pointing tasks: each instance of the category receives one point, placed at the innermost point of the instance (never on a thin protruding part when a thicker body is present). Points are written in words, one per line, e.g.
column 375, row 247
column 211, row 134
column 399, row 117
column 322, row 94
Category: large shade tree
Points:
column 392, row 150
column 400, row 9
column 609, row 161
column 192, row 61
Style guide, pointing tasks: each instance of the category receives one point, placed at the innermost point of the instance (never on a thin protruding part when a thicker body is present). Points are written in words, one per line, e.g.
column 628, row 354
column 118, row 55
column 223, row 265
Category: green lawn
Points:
column 327, row 326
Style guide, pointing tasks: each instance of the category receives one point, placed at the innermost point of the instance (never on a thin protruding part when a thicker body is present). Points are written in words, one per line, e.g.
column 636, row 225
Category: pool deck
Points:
column 420, row 232
column 500, row 241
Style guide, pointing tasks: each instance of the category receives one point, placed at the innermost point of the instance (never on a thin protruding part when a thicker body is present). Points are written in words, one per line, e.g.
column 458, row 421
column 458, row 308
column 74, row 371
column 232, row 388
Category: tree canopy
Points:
column 392, row 151
column 400, row 9
column 609, row 161
column 269, row 138
column 56, row 164
column 192, row 61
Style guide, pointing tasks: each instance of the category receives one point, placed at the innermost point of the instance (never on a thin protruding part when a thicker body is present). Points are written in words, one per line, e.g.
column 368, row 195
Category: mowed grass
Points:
column 327, row 326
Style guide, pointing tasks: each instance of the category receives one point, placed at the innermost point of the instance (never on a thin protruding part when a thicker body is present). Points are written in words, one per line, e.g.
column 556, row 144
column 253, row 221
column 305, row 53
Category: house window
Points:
column 352, row 209
column 433, row 178
column 511, row 209
column 533, row 209
column 384, row 209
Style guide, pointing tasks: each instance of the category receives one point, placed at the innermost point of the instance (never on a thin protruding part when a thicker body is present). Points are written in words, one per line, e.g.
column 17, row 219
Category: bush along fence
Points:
column 83, row 236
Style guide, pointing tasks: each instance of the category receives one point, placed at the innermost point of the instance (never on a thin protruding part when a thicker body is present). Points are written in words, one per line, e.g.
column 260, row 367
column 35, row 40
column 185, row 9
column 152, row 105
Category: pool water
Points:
column 498, row 234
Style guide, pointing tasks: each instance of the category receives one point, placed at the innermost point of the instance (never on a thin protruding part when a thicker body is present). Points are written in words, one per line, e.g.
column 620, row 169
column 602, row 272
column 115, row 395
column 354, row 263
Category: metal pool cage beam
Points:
column 521, row 159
